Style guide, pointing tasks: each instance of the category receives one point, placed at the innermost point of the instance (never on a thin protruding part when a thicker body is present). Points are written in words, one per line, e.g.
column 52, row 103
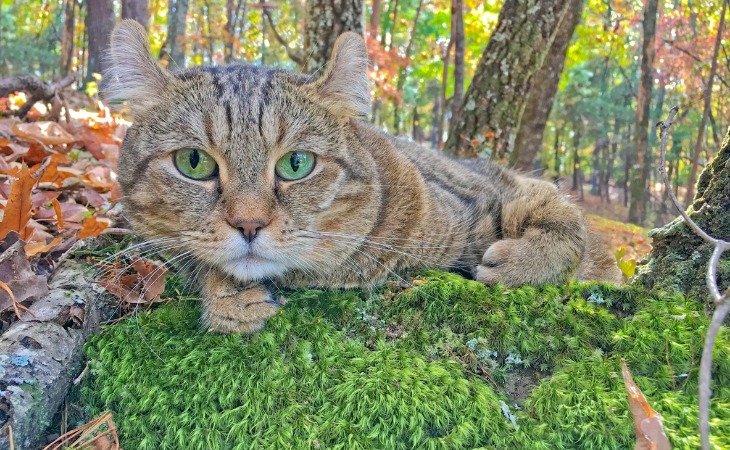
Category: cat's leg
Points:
column 230, row 307
column 544, row 239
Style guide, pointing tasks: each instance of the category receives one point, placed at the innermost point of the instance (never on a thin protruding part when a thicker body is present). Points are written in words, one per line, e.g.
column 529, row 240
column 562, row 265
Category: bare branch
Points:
column 294, row 55
column 722, row 301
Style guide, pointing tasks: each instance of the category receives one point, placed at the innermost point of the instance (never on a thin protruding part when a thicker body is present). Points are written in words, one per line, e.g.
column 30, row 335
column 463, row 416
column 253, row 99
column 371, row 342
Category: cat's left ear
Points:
column 344, row 88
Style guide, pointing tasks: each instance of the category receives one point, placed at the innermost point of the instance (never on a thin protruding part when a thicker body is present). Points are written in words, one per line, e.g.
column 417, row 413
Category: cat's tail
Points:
column 598, row 262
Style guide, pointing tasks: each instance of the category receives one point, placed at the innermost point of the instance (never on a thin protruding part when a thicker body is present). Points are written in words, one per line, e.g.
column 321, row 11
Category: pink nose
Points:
column 249, row 228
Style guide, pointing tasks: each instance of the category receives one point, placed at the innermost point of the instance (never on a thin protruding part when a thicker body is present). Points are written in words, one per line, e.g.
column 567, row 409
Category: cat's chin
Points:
column 253, row 268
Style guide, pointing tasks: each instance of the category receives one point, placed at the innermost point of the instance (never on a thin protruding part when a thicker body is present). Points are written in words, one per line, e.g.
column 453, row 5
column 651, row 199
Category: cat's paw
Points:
column 531, row 259
column 239, row 311
column 501, row 264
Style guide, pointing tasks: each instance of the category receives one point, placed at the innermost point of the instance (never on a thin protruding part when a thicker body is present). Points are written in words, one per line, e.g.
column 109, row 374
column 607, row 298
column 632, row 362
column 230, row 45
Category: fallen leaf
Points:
column 36, row 248
column 49, row 133
column 17, row 275
column 20, row 201
column 93, row 226
column 648, row 423
column 59, row 214
column 145, row 286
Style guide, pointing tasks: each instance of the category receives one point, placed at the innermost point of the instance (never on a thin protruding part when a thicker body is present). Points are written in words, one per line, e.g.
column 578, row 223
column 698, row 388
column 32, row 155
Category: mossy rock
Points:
column 420, row 367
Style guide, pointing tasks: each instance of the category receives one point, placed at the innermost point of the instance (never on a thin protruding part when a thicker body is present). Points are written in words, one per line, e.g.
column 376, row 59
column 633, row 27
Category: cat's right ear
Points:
column 131, row 73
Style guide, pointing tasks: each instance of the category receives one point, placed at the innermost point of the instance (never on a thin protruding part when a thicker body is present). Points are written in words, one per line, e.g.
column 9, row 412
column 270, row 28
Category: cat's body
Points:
column 364, row 206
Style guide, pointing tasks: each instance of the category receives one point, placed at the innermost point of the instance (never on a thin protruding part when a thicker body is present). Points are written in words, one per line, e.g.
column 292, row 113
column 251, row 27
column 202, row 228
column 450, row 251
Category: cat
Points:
column 270, row 178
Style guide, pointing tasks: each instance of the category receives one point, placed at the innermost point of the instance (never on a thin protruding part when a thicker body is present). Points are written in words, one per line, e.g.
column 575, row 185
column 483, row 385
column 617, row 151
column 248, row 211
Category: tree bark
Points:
column 404, row 67
column 678, row 260
column 457, row 32
column 541, row 97
column 99, row 25
column 496, row 96
column 640, row 174
column 138, row 10
column 375, row 20
column 67, row 38
column 327, row 19
column 177, row 13
column 707, row 97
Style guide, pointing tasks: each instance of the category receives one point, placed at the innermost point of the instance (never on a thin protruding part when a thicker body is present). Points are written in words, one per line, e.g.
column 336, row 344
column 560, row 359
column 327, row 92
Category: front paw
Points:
column 239, row 311
column 527, row 260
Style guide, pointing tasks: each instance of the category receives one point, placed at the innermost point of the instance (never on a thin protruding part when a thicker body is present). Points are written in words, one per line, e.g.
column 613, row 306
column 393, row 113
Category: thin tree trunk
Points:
column 457, row 32
column 707, row 96
column 229, row 31
column 557, row 144
column 375, row 20
column 138, row 10
column 404, row 67
column 493, row 104
column 176, row 18
column 327, row 19
column 444, row 85
column 67, row 38
column 528, row 141
column 611, row 161
column 640, row 175
column 99, row 25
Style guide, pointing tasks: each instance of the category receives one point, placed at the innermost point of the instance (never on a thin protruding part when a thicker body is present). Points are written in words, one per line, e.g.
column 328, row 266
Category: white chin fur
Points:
column 253, row 270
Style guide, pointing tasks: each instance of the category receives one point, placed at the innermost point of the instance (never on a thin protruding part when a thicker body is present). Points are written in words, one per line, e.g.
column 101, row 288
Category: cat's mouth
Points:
column 250, row 266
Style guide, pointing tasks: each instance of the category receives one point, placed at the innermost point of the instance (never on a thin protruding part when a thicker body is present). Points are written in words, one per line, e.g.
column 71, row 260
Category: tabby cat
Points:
column 270, row 178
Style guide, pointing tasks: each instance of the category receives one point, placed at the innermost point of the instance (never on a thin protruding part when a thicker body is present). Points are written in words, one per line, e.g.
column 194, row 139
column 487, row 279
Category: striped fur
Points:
column 374, row 204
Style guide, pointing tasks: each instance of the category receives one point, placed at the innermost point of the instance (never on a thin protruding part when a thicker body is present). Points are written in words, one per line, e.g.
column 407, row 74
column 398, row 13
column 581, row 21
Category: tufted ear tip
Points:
column 345, row 87
column 131, row 73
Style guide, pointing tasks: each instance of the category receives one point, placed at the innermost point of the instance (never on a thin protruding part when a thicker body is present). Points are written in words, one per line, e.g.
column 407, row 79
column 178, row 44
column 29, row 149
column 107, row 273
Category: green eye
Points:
column 295, row 165
column 195, row 164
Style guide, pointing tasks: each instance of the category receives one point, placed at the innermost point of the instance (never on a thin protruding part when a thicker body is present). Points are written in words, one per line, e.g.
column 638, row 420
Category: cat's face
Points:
column 245, row 167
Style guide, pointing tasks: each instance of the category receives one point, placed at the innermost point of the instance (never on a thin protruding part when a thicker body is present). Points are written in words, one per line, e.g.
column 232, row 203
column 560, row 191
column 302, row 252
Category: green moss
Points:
column 410, row 368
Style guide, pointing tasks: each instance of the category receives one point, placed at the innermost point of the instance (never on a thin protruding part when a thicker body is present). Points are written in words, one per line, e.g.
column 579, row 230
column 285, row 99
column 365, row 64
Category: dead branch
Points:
column 37, row 89
column 294, row 55
column 722, row 301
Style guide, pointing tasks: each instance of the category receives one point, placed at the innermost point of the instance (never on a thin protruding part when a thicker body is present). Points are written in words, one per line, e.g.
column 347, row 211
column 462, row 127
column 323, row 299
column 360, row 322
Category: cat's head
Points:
column 242, row 166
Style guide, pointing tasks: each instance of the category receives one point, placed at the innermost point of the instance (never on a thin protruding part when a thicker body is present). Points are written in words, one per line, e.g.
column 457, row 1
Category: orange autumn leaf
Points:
column 59, row 214
column 92, row 227
column 648, row 424
column 49, row 133
column 20, row 203
column 145, row 286
column 36, row 248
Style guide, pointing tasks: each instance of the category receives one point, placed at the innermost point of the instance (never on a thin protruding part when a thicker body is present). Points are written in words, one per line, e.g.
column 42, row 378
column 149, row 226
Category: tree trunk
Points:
column 67, row 38
column 444, row 85
column 99, row 25
column 327, row 19
column 375, row 20
column 457, row 33
column 577, row 182
column 496, row 96
column 229, row 31
column 138, row 10
column 611, row 159
column 707, row 97
column 556, row 148
column 176, row 18
column 640, row 174
column 678, row 260
column 541, row 96
column 404, row 67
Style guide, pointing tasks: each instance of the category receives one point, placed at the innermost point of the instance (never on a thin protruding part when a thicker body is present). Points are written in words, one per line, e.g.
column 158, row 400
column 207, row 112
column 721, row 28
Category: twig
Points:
column 722, row 301
column 294, row 55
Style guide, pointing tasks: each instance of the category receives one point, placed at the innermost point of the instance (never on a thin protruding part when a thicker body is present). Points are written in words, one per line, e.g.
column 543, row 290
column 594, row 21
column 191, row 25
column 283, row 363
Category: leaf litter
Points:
column 57, row 186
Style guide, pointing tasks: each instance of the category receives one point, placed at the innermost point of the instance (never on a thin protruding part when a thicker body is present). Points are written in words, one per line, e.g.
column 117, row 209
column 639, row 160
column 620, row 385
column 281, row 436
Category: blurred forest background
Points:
column 567, row 89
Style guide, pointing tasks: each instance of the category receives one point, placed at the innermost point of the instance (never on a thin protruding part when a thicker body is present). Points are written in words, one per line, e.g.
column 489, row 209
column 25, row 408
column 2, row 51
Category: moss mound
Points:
column 423, row 367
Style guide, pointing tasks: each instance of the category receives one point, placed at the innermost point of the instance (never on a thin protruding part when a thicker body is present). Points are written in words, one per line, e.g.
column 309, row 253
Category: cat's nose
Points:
column 249, row 228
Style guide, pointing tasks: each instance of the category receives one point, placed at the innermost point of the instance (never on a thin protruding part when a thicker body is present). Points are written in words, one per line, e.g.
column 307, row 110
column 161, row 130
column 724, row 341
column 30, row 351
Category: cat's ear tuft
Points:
column 131, row 73
column 344, row 88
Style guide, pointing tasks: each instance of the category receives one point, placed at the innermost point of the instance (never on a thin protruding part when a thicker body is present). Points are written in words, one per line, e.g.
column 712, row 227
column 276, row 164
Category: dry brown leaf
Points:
column 36, row 248
column 20, row 202
column 93, row 226
column 145, row 286
column 17, row 275
column 648, row 423
column 49, row 133
column 59, row 214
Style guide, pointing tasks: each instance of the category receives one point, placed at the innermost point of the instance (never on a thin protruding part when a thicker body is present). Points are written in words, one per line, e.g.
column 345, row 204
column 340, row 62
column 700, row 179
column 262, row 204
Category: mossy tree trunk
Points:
column 99, row 25
column 541, row 97
column 678, row 261
column 327, row 19
column 496, row 97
